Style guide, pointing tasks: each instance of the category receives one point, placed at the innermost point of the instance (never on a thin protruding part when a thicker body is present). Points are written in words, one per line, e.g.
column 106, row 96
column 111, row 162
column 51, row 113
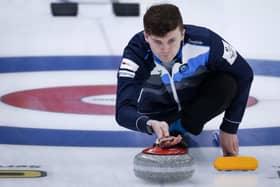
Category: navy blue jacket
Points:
column 146, row 88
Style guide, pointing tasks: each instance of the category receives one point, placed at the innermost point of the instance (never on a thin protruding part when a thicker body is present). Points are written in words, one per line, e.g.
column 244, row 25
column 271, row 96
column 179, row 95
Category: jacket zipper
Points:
column 173, row 88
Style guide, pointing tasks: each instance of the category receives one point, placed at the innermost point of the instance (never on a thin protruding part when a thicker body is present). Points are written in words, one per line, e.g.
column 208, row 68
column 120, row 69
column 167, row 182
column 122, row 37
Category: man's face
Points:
column 166, row 47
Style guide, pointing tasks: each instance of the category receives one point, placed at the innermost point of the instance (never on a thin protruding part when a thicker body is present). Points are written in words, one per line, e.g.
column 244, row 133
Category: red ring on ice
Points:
column 68, row 99
column 251, row 101
column 62, row 99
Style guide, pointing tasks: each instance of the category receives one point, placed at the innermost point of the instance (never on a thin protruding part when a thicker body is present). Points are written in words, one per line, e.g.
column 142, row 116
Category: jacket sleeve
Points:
column 130, row 80
column 224, row 58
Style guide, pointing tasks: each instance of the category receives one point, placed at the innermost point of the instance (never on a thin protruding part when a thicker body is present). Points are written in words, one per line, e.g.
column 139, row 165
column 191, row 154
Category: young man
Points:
column 174, row 78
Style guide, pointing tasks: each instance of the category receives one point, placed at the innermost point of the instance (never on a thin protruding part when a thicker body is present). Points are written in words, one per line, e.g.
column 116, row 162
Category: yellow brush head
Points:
column 236, row 163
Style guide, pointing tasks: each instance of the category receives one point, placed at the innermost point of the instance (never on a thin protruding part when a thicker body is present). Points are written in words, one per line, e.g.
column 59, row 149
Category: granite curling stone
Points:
column 163, row 164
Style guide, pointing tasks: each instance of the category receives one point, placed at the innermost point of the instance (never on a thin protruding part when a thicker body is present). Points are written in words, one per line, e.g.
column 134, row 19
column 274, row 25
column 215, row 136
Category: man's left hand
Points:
column 229, row 143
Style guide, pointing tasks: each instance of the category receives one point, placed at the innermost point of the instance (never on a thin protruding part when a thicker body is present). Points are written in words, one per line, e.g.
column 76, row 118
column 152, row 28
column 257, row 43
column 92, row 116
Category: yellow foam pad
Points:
column 236, row 163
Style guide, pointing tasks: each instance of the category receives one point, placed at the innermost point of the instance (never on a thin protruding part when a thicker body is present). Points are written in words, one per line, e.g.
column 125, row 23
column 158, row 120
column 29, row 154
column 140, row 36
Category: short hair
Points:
column 161, row 19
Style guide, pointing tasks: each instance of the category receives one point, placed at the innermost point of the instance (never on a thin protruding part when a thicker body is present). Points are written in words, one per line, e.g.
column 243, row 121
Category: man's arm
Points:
column 128, row 91
column 225, row 58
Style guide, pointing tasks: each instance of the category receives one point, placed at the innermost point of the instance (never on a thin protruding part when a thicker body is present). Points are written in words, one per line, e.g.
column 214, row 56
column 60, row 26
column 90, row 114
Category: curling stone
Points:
column 163, row 164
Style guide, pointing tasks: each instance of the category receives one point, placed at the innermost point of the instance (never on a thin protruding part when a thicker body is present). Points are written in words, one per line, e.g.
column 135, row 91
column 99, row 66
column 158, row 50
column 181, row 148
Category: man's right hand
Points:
column 160, row 128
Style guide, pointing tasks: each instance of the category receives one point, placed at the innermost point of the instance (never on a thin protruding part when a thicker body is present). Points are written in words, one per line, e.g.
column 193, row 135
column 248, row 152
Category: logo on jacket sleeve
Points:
column 128, row 68
column 230, row 53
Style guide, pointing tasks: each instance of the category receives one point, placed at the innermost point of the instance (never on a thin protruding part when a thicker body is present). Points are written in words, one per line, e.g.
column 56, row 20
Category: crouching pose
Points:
column 173, row 78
